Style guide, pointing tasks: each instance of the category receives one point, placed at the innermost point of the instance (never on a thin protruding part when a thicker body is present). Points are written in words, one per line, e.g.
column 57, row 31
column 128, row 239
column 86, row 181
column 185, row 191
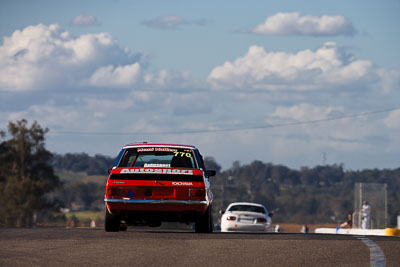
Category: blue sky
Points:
column 283, row 82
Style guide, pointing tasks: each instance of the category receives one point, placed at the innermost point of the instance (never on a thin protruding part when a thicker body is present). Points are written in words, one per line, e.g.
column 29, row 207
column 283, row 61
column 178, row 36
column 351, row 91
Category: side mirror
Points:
column 210, row 173
column 270, row 214
column 109, row 171
column 221, row 212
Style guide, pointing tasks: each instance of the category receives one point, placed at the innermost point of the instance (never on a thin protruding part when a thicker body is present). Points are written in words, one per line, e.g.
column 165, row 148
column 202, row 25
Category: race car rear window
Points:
column 158, row 157
column 157, row 177
column 247, row 208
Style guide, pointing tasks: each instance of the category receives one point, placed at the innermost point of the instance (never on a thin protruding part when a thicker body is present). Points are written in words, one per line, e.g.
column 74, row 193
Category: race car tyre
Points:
column 111, row 222
column 204, row 224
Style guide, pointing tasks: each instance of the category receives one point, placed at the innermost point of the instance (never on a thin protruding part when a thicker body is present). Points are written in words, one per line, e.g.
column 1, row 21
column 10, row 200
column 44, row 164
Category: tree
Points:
column 25, row 175
column 211, row 164
column 82, row 162
column 87, row 196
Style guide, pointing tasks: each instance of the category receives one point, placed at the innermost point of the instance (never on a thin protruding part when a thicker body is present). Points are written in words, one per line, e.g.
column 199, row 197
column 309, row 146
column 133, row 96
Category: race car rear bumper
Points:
column 155, row 201
column 118, row 205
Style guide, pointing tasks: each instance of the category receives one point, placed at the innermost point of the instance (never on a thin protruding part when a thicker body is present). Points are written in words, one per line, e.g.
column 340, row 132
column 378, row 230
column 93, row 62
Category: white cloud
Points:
column 47, row 115
column 119, row 77
column 171, row 22
column 346, row 135
column 390, row 79
column 178, row 80
column 306, row 112
column 307, row 70
column 393, row 120
column 44, row 57
column 298, row 24
column 100, row 104
column 85, row 20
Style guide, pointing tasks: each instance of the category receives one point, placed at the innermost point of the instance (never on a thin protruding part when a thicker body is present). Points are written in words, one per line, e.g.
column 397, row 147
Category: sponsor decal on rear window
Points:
column 183, row 154
column 145, row 149
column 160, row 149
column 156, row 165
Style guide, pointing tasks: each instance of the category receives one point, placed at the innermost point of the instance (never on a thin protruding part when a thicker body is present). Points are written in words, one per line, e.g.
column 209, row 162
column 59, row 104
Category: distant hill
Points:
column 323, row 194
column 70, row 177
column 82, row 162
column 84, row 178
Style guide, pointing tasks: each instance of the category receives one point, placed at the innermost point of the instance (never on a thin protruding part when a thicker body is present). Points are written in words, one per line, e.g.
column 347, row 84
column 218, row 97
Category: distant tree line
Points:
column 80, row 195
column 82, row 162
column 30, row 190
column 323, row 194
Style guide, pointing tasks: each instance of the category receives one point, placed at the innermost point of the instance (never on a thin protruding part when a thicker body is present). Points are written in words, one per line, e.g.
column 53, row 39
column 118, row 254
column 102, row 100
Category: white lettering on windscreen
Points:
column 156, row 165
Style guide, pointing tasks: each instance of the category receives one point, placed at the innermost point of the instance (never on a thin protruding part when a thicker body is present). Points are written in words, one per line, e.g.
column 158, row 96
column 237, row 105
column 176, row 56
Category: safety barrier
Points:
column 392, row 232
column 343, row 231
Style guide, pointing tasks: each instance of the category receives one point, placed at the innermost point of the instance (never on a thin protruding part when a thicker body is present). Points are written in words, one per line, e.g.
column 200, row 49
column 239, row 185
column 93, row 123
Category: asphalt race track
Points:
column 94, row 247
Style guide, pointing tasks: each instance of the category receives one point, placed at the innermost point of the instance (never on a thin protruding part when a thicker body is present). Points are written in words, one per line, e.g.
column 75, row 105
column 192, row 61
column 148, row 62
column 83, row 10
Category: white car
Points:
column 244, row 216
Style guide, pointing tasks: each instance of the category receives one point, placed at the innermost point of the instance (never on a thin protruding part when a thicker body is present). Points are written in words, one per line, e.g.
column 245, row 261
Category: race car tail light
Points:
column 114, row 191
column 193, row 192
column 231, row 218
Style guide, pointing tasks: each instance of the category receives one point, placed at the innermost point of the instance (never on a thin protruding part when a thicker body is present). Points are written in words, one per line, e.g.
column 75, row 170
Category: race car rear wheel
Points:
column 204, row 224
column 111, row 222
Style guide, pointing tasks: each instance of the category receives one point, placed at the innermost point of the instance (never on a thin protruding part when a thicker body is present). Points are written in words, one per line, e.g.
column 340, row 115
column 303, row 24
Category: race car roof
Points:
column 158, row 145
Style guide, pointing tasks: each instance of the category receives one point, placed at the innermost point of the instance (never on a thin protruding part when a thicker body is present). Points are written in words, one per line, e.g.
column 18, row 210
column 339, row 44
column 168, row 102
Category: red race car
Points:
column 154, row 183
